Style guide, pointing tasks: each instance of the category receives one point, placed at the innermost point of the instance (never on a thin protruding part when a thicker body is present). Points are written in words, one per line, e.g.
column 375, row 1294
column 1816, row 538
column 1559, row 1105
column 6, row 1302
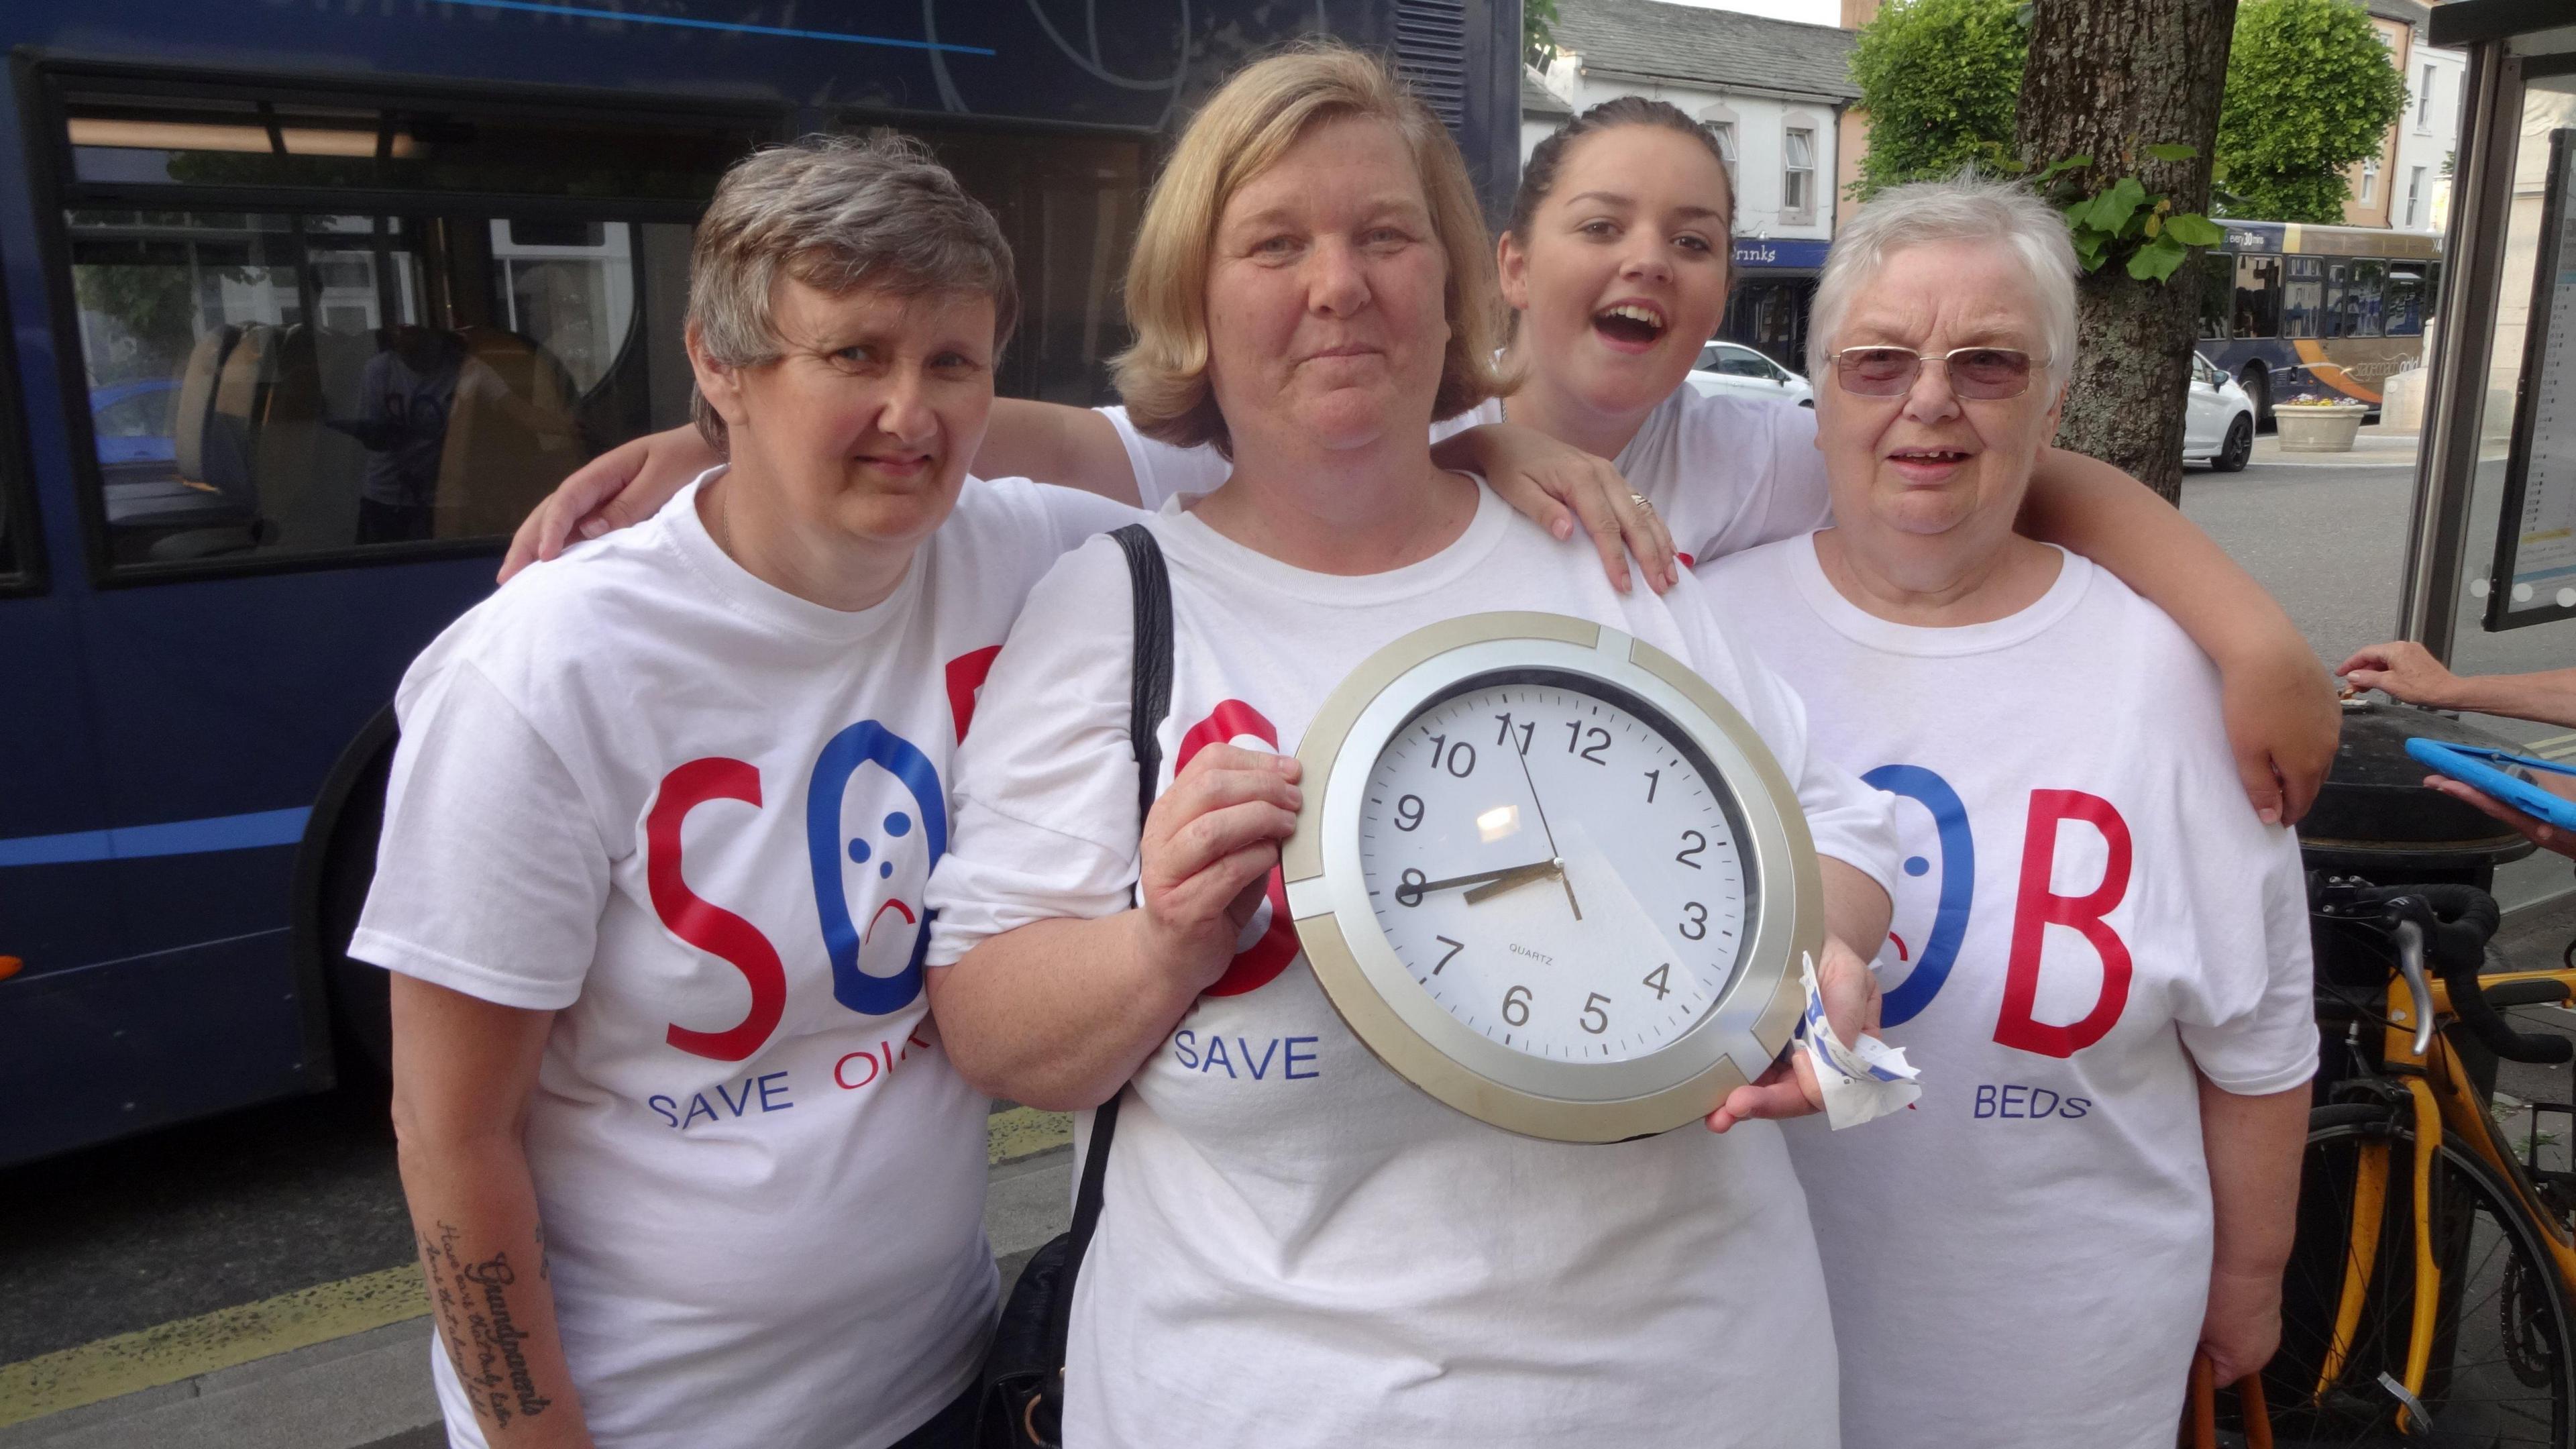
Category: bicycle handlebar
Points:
column 2456, row 922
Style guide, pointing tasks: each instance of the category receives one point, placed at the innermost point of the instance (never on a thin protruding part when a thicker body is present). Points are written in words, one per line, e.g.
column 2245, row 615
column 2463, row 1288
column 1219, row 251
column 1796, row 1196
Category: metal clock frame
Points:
column 1378, row 997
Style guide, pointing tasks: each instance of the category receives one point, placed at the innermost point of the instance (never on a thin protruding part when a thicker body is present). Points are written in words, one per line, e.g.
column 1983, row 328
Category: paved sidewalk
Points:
column 370, row 1389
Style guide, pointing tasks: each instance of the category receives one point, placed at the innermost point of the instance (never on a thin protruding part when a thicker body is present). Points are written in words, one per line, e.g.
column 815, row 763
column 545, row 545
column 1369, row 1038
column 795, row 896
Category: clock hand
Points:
column 1478, row 877
column 1515, row 879
column 1541, row 806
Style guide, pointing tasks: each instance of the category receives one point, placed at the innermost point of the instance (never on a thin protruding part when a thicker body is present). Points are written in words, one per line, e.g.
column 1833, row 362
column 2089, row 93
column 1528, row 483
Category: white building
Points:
column 2419, row 182
column 1775, row 91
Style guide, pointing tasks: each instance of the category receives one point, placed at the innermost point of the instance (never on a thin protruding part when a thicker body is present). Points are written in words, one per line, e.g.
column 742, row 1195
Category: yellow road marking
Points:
column 169, row 1352
column 187, row 1347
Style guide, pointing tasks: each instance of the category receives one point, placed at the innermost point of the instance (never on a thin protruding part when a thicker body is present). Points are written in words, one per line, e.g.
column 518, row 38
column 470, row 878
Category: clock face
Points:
column 1557, row 866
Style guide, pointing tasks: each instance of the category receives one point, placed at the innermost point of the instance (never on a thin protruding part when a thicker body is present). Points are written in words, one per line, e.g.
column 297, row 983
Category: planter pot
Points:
column 2318, row 430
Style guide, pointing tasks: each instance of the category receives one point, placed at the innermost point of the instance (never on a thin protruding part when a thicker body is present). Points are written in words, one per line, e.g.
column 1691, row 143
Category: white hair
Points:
column 1969, row 208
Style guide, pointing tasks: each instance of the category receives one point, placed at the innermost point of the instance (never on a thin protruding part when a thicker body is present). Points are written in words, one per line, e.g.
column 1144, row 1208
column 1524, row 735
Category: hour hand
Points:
column 1514, row 879
column 1417, row 892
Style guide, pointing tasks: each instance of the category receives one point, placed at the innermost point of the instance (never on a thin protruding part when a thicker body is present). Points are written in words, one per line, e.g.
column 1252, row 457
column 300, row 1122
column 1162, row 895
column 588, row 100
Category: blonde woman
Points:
column 1297, row 1247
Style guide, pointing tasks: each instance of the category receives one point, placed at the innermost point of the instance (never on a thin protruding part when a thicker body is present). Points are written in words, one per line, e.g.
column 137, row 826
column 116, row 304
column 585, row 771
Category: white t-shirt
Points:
column 2023, row 1259
column 693, row 815
column 1726, row 472
column 1298, row 1247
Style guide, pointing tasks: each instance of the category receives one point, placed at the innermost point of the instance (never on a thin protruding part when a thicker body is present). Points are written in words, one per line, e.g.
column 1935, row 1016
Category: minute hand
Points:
column 1533, row 869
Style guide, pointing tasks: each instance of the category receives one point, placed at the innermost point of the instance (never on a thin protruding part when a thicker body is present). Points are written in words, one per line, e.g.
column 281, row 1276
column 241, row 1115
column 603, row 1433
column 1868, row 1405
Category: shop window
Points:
column 300, row 377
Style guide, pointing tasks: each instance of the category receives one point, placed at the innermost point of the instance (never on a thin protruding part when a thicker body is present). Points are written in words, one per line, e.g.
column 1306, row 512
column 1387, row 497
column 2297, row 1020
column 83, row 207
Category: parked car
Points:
column 2218, row 420
column 1734, row 367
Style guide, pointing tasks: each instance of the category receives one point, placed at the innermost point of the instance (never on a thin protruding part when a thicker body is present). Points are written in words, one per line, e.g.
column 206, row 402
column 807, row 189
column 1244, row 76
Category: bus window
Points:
column 2363, row 297
column 2303, row 302
column 15, row 516
column 293, row 378
column 2258, row 297
column 1069, row 204
column 2402, row 307
column 2217, row 284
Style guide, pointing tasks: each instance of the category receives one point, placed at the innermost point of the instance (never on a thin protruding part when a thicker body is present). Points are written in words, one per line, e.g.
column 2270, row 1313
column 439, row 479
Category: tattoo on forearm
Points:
column 478, row 1321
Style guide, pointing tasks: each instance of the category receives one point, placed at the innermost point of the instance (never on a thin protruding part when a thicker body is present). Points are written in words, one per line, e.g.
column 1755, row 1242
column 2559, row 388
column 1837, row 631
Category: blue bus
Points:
column 2297, row 311
column 310, row 300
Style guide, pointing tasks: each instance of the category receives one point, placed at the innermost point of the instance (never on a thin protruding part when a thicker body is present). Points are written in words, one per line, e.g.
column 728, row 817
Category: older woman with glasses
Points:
column 2107, row 956
column 1297, row 1247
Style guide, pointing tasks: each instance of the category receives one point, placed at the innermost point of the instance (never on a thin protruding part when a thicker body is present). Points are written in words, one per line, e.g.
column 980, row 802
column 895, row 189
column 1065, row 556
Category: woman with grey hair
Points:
column 686, row 1170
column 2107, row 956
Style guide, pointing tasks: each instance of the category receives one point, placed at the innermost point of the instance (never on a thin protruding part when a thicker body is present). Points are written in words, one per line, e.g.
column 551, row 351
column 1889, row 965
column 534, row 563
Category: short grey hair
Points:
column 1966, row 207
column 837, row 213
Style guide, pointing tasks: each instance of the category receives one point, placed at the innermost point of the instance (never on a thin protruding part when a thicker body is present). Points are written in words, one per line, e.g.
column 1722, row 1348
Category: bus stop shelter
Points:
column 2490, row 573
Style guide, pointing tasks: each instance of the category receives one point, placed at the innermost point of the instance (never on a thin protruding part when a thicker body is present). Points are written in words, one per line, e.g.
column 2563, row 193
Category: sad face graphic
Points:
column 876, row 822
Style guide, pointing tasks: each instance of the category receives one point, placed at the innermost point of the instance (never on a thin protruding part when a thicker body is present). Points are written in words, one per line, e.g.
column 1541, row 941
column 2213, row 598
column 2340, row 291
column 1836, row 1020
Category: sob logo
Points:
column 2036, row 907
column 895, row 789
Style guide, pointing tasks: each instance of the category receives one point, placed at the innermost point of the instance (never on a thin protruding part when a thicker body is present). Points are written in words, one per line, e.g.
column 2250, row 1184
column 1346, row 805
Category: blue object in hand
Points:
column 2485, row 769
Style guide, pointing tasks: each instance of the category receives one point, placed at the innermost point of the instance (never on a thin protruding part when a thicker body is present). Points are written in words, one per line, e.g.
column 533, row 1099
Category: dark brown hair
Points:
column 1538, row 174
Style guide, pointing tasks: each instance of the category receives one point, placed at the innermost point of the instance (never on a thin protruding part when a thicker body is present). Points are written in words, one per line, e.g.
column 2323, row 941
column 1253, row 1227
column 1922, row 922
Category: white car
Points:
column 1734, row 367
column 2218, row 421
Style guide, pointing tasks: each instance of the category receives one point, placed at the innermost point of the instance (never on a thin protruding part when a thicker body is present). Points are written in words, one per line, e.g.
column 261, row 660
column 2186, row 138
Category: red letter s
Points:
column 711, row 928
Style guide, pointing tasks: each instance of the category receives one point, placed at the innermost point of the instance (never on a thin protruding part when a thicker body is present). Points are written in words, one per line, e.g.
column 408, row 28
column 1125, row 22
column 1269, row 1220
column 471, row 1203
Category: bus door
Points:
column 332, row 349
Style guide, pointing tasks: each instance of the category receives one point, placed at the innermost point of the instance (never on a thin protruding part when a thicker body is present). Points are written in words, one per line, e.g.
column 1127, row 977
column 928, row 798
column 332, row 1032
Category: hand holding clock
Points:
column 1208, row 848
column 1789, row 1088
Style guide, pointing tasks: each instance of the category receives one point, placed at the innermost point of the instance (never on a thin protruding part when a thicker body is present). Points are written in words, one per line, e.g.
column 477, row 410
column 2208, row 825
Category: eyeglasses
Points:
column 1975, row 372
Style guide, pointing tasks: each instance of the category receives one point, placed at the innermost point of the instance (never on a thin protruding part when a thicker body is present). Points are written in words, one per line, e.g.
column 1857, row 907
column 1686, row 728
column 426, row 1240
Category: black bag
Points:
column 1024, row 1370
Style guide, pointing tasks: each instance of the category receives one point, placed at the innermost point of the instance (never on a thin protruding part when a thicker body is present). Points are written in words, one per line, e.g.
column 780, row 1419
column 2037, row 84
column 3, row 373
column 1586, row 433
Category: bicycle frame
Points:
column 2444, row 1102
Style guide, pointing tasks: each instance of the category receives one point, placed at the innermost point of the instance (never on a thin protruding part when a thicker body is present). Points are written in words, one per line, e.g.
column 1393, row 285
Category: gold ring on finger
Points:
column 1640, row 500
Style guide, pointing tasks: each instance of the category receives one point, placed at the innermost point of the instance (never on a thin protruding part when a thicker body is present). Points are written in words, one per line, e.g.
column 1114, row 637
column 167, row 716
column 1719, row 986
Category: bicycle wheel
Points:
column 2501, row 1372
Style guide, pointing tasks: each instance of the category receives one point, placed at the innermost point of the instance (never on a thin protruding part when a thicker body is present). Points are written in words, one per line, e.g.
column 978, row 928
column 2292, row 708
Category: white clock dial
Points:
column 1551, row 861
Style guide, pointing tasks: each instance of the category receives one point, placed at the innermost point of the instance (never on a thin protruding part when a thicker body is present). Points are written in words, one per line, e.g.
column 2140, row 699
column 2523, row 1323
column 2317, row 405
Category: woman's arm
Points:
column 2408, row 671
column 1059, row 1014
column 2253, row 1145
column 1552, row 484
column 2281, row 713
column 464, row 1070
column 1068, row 446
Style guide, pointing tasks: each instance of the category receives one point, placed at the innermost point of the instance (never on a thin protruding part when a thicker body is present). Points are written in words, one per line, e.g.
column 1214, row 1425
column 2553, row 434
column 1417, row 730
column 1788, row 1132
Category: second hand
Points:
column 1541, row 806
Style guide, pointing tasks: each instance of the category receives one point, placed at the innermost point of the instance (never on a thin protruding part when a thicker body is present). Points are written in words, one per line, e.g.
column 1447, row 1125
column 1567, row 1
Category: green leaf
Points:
column 2088, row 249
column 2173, row 153
column 2113, row 208
column 2157, row 260
column 2155, row 225
column 2194, row 230
column 2056, row 168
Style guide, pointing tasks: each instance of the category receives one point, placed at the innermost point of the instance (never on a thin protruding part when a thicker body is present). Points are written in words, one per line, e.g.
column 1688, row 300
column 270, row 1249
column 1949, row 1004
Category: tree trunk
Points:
column 2107, row 81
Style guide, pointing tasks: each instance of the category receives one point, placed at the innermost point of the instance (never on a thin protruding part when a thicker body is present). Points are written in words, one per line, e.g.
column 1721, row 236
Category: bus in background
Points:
column 2295, row 311
column 311, row 302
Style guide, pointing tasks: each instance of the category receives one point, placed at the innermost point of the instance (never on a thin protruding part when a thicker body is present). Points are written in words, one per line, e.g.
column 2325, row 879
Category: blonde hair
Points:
column 837, row 213
column 1243, row 130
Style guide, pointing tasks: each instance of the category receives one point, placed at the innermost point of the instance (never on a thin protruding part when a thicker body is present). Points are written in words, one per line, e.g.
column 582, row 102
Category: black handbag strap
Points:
column 1151, row 585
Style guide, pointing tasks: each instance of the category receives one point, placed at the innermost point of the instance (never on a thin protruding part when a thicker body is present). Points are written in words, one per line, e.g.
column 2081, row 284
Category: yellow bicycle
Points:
column 2428, row 1300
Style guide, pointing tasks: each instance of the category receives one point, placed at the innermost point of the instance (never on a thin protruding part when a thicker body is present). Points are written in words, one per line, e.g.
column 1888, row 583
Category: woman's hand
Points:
column 1552, row 484
column 2534, row 829
column 2405, row 669
column 623, row 486
column 1208, row 848
column 2282, row 724
column 2243, row 1324
column 1789, row 1088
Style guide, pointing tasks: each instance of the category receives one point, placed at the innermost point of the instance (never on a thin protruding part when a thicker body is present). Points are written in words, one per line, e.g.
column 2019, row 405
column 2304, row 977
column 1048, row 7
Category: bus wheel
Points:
column 2257, row 383
column 339, row 865
column 2238, row 447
